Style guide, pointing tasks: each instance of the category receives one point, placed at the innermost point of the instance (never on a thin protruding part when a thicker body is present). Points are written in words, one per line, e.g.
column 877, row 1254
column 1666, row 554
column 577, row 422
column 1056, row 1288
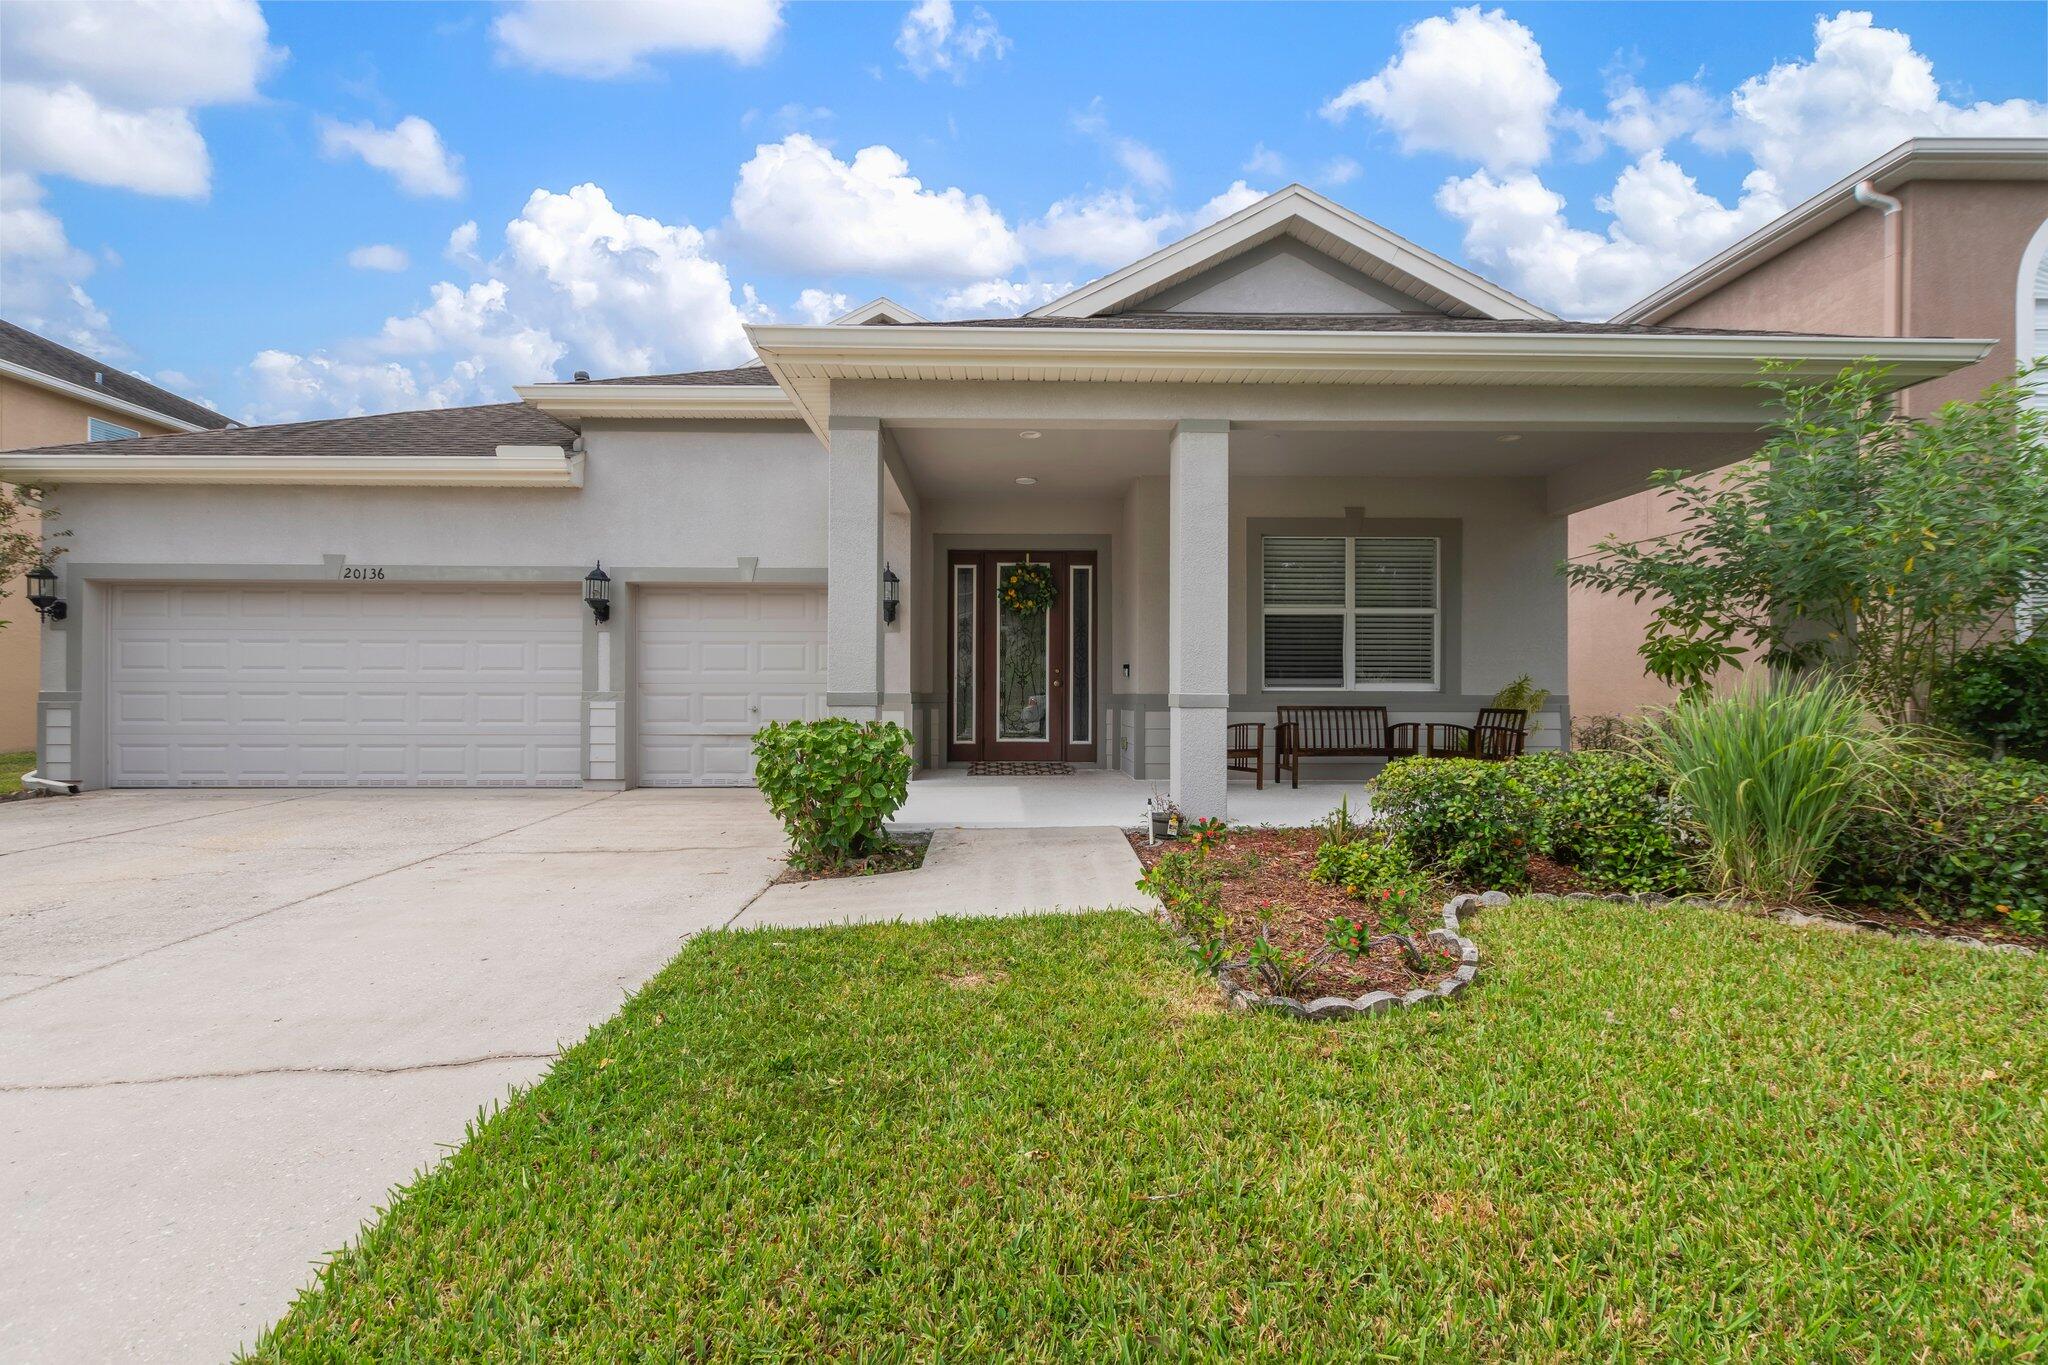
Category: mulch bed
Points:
column 1277, row 875
column 903, row 853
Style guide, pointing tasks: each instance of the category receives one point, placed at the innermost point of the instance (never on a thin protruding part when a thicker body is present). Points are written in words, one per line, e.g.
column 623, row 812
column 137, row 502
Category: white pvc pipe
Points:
column 37, row 783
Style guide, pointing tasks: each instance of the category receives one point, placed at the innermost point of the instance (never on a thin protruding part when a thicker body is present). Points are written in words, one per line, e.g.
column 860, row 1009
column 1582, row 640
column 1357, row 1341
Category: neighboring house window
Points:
column 1351, row 612
column 98, row 430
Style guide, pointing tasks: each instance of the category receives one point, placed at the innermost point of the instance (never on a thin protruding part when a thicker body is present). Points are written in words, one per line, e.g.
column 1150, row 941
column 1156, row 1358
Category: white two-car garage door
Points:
column 714, row 665
column 362, row 686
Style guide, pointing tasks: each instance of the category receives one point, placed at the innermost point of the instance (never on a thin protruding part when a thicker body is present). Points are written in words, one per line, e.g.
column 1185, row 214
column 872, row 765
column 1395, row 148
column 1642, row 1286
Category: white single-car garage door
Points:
column 358, row 686
column 714, row 665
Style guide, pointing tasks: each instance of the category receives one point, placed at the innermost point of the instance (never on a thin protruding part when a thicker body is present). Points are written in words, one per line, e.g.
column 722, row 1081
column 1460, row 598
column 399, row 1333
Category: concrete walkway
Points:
column 970, row 872
column 231, row 1021
column 1096, row 796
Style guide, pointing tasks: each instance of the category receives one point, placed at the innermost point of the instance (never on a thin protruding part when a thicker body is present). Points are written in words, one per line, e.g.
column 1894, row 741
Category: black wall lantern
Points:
column 892, row 593
column 42, row 594
column 597, row 592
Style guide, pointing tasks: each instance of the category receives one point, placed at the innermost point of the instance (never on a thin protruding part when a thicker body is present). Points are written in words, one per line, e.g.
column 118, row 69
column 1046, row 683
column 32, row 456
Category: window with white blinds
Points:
column 1358, row 612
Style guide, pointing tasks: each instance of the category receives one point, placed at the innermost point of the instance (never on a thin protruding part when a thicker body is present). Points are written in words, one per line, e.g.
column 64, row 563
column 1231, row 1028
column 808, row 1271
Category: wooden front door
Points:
column 1021, row 686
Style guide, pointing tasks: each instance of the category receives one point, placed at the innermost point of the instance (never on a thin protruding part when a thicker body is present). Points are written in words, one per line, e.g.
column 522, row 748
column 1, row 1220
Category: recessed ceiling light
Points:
column 1510, row 438
column 1026, row 480
column 1030, row 435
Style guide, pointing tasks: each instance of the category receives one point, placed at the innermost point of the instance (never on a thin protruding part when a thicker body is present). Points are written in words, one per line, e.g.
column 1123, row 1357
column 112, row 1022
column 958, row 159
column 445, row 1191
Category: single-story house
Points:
column 1292, row 458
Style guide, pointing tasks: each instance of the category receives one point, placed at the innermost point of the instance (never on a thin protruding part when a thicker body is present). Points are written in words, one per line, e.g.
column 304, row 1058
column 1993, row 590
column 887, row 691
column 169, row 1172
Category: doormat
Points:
column 1005, row 768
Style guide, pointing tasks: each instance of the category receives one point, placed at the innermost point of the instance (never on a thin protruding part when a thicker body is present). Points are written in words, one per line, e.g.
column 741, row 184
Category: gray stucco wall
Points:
column 668, row 496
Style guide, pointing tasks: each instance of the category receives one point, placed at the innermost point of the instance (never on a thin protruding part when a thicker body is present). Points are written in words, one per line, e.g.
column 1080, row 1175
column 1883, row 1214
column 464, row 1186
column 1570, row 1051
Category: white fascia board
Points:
column 1269, row 216
column 85, row 393
column 1175, row 354
column 1927, row 158
column 509, row 467
column 660, row 400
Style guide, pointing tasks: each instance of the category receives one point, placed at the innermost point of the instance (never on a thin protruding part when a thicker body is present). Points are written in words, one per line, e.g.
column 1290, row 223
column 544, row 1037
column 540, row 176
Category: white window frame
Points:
column 100, row 429
column 1351, row 612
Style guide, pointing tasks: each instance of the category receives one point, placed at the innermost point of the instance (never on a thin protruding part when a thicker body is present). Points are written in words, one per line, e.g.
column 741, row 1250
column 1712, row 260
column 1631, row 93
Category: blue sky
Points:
column 183, row 187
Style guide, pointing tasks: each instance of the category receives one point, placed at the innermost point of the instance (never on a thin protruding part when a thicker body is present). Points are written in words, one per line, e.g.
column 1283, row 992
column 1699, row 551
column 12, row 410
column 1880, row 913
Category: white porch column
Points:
column 853, row 570
column 1198, row 615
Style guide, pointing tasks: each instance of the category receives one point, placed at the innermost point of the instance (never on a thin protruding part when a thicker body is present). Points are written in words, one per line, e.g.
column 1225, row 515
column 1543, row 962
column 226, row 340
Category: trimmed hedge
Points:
column 1474, row 822
column 1998, row 695
column 1964, row 839
column 832, row 783
column 1609, row 815
column 1606, row 814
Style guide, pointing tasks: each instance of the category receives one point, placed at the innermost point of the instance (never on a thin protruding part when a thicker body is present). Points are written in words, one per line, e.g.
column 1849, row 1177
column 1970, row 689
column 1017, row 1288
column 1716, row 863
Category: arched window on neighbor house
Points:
column 2030, row 346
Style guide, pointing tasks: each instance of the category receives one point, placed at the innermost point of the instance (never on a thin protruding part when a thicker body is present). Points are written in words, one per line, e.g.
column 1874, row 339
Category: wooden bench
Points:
column 1337, row 732
column 1244, row 750
column 1501, row 734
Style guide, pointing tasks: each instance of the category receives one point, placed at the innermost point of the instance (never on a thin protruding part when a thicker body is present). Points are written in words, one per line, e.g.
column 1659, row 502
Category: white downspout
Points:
column 35, row 782
column 1870, row 197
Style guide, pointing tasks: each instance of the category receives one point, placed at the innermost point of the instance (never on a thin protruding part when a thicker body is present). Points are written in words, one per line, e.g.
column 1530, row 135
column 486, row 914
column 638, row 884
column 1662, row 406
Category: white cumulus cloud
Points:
column 621, row 293
column 1865, row 90
column 820, row 306
column 1109, row 229
column 1661, row 224
column 105, row 93
column 410, row 152
column 933, row 39
column 605, row 39
column 379, row 256
column 1474, row 85
column 800, row 205
column 999, row 298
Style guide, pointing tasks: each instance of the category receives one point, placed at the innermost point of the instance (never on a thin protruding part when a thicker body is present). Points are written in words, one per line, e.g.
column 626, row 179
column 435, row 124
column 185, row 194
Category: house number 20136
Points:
column 363, row 575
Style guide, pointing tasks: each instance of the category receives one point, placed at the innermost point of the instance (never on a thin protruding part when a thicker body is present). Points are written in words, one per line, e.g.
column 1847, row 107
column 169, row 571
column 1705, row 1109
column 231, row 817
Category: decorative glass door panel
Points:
column 1021, row 683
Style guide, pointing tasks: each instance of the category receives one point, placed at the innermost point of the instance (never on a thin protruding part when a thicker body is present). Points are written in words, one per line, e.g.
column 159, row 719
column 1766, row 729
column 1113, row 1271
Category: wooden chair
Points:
column 1336, row 732
column 1500, row 734
column 1245, row 750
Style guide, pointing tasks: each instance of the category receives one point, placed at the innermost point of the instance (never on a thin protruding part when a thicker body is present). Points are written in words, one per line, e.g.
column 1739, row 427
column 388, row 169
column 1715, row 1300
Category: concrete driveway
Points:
column 231, row 1021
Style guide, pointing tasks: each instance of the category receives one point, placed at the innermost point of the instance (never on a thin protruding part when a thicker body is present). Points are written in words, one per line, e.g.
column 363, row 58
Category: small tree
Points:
column 21, row 535
column 1854, row 539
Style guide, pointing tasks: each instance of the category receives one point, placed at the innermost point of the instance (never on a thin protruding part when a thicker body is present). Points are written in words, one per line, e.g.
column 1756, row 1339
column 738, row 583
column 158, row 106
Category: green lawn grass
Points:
column 1668, row 1132
column 12, row 766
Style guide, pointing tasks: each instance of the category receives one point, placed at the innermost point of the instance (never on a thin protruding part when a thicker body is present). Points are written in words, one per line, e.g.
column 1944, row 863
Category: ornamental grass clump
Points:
column 1771, row 773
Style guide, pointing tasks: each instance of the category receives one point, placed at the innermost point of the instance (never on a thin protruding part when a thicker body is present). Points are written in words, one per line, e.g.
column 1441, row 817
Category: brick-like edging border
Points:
column 1451, row 934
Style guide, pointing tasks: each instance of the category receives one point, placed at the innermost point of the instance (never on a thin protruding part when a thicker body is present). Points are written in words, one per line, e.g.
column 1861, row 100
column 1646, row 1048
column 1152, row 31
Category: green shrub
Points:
column 1475, row 822
column 1371, row 862
column 1961, row 838
column 1771, row 773
column 832, row 783
column 1609, row 815
column 1998, row 696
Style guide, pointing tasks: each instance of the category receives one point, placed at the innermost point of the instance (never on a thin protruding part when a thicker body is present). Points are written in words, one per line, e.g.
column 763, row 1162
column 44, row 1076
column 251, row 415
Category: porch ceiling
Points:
column 954, row 461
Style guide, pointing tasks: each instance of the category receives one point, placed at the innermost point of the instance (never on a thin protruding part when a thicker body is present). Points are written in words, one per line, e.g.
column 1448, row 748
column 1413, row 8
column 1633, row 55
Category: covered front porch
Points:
column 1208, row 572
column 1235, row 521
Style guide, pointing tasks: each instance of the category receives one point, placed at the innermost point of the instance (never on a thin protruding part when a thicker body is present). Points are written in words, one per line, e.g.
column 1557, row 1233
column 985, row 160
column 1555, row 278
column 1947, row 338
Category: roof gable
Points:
column 1299, row 213
column 884, row 309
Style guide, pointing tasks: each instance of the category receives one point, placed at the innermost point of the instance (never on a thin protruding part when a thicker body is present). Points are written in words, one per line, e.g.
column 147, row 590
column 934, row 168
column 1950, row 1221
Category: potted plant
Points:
column 1166, row 819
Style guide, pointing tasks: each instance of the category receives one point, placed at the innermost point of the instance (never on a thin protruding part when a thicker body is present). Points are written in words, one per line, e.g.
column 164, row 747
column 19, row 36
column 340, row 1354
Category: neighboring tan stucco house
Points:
column 1291, row 458
column 1938, row 237
column 51, row 394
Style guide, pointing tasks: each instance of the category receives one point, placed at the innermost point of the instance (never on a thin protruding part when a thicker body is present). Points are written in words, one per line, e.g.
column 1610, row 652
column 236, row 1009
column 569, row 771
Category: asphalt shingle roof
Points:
column 1353, row 322
column 746, row 374
column 24, row 348
column 436, row 431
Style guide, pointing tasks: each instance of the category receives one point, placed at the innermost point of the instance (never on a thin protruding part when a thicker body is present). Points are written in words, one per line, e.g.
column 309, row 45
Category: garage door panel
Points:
column 279, row 687
column 714, row 665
